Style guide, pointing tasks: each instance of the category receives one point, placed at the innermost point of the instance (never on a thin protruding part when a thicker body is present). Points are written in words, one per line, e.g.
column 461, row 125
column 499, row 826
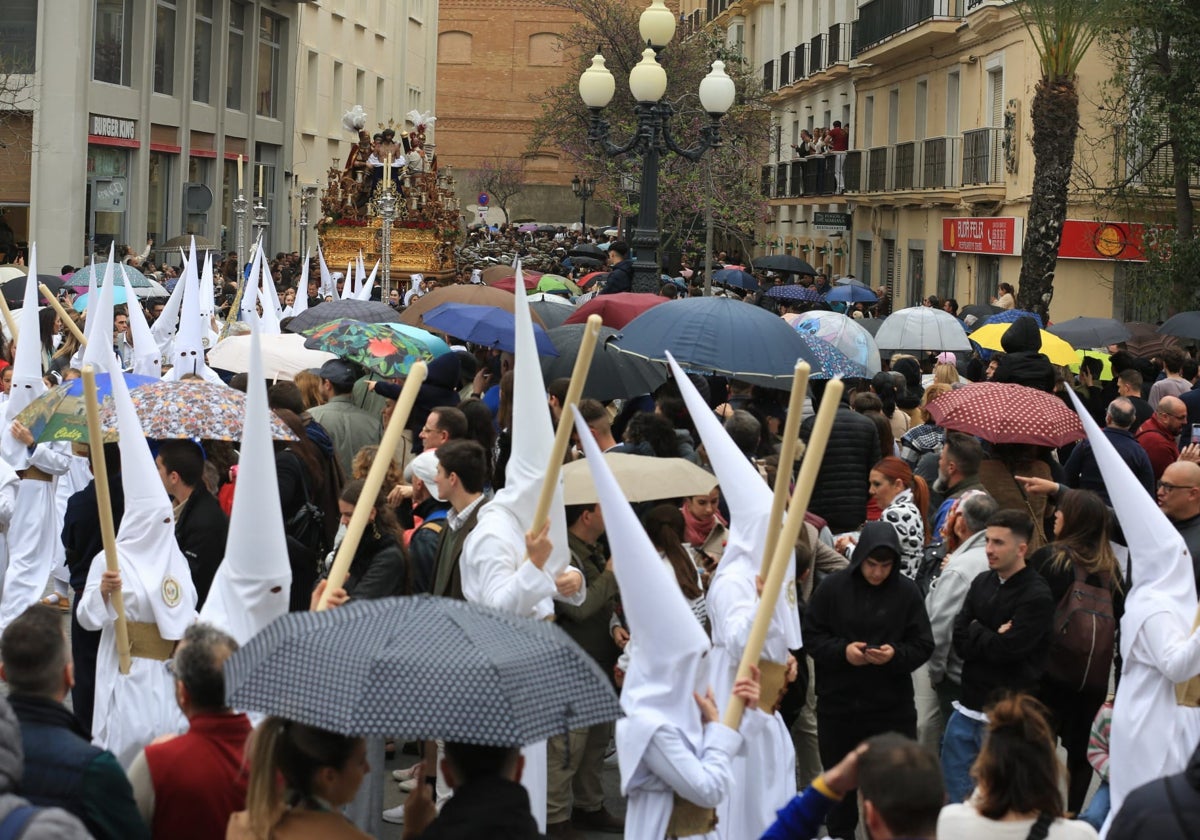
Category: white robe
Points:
column 764, row 770
column 1152, row 736
column 495, row 574
column 34, row 534
column 8, row 503
column 131, row 709
column 669, row 766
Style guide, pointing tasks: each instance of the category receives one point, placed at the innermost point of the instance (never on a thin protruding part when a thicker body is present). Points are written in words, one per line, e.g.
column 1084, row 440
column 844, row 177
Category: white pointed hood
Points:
column 99, row 351
column 146, row 545
column 348, row 282
column 301, row 303
column 360, row 275
column 268, row 322
column 147, row 358
column 368, row 285
column 208, row 297
column 414, row 288
column 749, row 500
column 167, row 325
column 27, row 381
column 253, row 583
column 669, row 655
column 249, row 304
column 188, row 356
column 532, row 442
column 328, row 287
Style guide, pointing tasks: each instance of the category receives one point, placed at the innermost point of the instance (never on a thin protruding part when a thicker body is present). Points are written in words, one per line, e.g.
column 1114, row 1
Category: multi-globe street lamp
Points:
column 584, row 189
column 653, row 139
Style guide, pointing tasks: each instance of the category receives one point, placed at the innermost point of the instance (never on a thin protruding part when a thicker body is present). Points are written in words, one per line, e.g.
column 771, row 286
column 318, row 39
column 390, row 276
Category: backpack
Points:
column 14, row 823
column 1083, row 635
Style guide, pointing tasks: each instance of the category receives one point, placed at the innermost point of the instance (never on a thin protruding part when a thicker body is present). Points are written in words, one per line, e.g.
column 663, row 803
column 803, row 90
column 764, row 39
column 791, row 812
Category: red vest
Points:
column 199, row 778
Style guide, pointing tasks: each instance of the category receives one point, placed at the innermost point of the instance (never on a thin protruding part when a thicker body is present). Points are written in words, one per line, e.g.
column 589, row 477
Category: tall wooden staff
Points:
column 786, row 543
column 374, row 481
column 787, row 459
column 108, row 533
column 63, row 316
column 8, row 317
column 566, row 421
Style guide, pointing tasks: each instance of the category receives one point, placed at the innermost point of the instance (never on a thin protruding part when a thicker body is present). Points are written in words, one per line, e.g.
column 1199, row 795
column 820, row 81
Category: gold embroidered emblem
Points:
column 172, row 592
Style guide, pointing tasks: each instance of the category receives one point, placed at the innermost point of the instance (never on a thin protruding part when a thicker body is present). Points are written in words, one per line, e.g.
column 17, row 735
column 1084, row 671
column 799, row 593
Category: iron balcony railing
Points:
column 785, row 69
column 816, row 54
column 769, row 75
column 879, row 20
column 877, row 169
column 904, row 166
column 781, row 180
column 937, row 163
column 800, row 62
column 852, row 171
column 839, row 44
column 982, row 156
column 796, row 179
column 768, row 177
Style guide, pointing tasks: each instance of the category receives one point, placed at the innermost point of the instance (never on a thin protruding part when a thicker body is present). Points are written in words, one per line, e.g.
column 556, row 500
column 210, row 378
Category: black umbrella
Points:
column 784, row 264
column 547, row 229
column 1097, row 332
column 980, row 311
column 587, row 262
column 1182, row 324
column 14, row 289
column 587, row 249
column 552, row 314
column 613, row 375
column 871, row 325
column 369, row 312
column 421, row 668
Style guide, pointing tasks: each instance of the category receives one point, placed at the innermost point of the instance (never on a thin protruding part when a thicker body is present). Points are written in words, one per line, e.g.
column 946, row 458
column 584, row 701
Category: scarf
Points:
column 696, row 531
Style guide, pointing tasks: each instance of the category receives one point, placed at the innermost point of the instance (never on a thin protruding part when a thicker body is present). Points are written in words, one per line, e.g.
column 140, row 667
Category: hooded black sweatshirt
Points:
column 1023, row 364
column 846, row 608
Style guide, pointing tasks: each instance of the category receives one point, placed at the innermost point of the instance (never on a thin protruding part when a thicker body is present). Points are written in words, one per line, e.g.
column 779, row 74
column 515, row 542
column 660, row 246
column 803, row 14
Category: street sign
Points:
column 483, row 199
column 831, row 222
column 1088, row 240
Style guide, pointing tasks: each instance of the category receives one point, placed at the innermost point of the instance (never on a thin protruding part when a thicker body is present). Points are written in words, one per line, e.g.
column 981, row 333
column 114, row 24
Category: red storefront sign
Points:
column 999, row 235
column 1083, row 240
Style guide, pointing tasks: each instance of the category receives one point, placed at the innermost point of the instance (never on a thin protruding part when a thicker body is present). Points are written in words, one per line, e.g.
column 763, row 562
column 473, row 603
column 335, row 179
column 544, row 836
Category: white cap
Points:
column 424, row 467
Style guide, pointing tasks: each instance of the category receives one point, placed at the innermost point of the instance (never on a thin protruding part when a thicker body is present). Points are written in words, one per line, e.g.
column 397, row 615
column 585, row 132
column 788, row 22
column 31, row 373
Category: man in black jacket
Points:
column 1165, row 809
column 620, row 270
column 201, row 527
column 841, row 492
column 1022, row 364
column 1001, row 633
column 867, row 631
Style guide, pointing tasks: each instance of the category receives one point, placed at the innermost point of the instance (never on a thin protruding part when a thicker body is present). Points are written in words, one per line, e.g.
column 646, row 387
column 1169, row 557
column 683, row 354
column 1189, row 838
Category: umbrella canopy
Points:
column 719, row 335
column 528, row 227
column 871, row 325
column 1181, row 324
column 586, row 250
column 784, row 264
column 844, row 333
column 1093, row 332
column 185, row 241
column 643, row 478
column 979, row 312
column 850, row 293
column 1106, row 372
column 283, row 355
column 586, row 262
column 475, row 295
column 1007, row 316
column 9, row 272
column 120, row 295
column 612, row 375
column 833, row 361
column 591, row 277
column 547, row 229
column 14, row 289
column 370, row 668
column 1053, row 348
column 922, row 329
column 794, row 292
column 485, row 325
column 850, row 281
column 737, row 278
column 557, row 283
column 1145, row 340
column 509, row 283
column 495, row 272
column 189, row 410
column 142, row 285
column 61, row 412
column 389, row 350
column 616, row 310
column 552, row 312
column 1000, row 412
column 369, row 312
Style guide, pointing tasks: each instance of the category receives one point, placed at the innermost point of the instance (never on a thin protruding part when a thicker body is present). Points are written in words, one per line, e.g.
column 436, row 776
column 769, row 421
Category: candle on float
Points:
column 240, row 157
column 260, row 179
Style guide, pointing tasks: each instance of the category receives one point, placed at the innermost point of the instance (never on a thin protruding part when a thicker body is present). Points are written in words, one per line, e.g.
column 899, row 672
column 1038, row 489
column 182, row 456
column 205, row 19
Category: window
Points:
column 544, row 50
column 236, row 58
column 454, row 47
column 946, row 275
column 864, row 260
column 414, row 98
column 987, row 277
column 360, row 87
column 952, row 95
column 112, row 43
column 157, row 196
column 18, row 36
column 336, row 94
column 868, row 122
column 202, row 51
column 199, row 172
column 270, row 36
column 381, row 103
column 916, row 276
column 164, row 47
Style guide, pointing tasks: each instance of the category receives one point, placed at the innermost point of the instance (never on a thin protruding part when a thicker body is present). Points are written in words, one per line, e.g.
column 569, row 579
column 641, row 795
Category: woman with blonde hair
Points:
column 927, row 436
column 1017, row 777
column 320, row 772
column 310, row 389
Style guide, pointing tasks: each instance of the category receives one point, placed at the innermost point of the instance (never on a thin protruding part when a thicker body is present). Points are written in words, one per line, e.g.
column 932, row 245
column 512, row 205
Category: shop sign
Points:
column 1084, row 240
column 114, row 127
column 996, row 235
column 109, row 196
column 831, row 222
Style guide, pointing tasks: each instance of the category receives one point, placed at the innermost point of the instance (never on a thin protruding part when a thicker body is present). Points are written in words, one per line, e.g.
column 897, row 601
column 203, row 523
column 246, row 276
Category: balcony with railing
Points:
column 785, row 69
column 852, row 171
column 816, row 54
column 781, row 180
column 768, row 177
column 796, row 179
column 800, row 62
column 877, row 169
column 769, row 75
column 903, row 26
column 904, row 166
column 838, row 51
column 938, row 155
column 983, row 156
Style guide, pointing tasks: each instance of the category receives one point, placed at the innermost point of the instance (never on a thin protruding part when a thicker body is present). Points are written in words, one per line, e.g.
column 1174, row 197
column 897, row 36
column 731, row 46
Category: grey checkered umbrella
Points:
column 421, row 668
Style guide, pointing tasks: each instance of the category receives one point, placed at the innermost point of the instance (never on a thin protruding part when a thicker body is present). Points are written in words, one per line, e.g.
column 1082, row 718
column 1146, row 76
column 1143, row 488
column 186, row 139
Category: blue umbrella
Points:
column 833, row 361
column 850, row 294
column 737, row 278
column 486, row 325
column 119, row 296
column 719, row 335
column 133, row 277
column 794, row 292
column 1008, row 316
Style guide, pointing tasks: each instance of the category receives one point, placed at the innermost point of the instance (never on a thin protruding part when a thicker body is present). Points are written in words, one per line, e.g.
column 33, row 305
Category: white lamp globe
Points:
column 657, row 25
column 648, row 79
column 596, row 84
column 717, row 90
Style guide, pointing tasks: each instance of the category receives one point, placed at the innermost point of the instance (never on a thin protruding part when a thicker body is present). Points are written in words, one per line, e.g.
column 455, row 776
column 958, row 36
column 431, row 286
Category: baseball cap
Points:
column 424, row 467
column 341, row 373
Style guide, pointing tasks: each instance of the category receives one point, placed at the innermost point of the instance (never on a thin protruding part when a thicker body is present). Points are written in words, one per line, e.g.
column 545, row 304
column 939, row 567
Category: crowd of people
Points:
column 927, row 658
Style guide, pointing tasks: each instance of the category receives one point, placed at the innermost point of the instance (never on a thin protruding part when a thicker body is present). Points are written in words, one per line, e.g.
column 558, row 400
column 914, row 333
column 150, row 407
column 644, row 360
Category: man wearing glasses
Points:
column 1179, row 499
column 1158, row 434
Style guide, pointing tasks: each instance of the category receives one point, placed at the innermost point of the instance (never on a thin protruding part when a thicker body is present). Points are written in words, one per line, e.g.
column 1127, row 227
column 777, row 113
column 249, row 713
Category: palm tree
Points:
column 1062, row 31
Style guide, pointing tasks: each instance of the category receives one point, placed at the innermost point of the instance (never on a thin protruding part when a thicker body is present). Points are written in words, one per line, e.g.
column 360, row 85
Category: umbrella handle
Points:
column 374, row 482
column 8, row 317
column 787, row 459
column 67, row 320
column 566, row 420
column 786, row 545
column 108, row 534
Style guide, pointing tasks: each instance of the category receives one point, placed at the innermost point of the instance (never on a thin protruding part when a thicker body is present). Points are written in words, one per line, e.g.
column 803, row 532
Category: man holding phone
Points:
column 867, row 631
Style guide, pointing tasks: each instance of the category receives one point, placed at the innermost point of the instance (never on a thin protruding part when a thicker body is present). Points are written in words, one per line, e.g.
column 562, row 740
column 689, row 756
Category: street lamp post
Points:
column 584, row 189
column 306, row 195
column 648, row 84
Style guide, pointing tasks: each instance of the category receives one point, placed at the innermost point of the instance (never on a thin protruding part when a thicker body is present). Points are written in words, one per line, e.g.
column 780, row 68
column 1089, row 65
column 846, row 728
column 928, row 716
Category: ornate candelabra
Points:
column 306, row 195
column 260, row 219
column 386, row 203
column 240, row 204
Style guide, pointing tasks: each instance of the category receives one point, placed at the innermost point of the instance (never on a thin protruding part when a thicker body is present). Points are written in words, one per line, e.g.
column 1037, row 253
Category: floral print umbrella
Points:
column 61, row 412
column 389, row 350
column 189, row 410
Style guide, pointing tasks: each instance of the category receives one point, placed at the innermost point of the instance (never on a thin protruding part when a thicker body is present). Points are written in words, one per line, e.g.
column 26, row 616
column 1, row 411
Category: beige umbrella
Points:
column 643, row 478
column 283, row 355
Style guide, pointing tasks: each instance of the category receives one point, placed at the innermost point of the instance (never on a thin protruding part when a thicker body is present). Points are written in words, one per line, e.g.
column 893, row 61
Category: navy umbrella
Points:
column 489, row 326
column 794, row 292
column 737, row 278
column 421, row 668
column 850, row 294
column 784, row 264
column 612, row 375
column 722, row 336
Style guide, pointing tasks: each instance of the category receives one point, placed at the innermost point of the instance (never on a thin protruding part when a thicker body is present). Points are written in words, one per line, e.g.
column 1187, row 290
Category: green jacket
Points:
column 587, row 623
column 350, row 428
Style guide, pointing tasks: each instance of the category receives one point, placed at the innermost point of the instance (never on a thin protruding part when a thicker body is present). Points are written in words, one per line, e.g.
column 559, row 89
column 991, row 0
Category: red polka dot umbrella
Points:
column 1002, row 413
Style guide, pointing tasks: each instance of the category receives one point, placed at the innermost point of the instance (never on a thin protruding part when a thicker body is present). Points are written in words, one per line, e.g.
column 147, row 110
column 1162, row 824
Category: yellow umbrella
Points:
column 1053, row 347
column 1106, row 374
